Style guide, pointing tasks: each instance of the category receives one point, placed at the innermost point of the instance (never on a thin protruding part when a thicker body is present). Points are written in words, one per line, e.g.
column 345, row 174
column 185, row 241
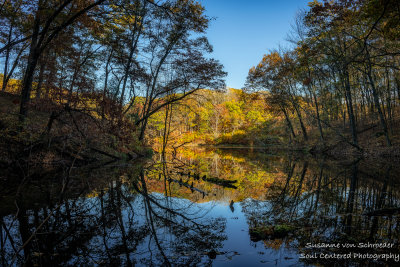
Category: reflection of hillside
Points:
column 328, row 203
column 253, row 175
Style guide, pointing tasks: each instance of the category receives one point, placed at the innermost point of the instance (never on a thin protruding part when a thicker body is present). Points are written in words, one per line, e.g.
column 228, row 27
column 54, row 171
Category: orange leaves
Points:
column 270, row 60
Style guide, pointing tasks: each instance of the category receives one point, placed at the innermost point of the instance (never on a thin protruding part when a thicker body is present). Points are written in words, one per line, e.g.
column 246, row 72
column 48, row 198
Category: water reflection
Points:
column 122, row 224
column 203, row 207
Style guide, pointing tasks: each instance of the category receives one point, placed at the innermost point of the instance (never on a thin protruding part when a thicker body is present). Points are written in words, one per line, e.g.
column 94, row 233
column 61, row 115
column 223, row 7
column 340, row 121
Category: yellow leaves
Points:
column 122, row 20
column 314, row 3
column 13, row 85
column 268, row 62
column 126, row 21
column 255, row 117
column 211, row 117
column 274, row 58
column 275, row 244
column 252, row 180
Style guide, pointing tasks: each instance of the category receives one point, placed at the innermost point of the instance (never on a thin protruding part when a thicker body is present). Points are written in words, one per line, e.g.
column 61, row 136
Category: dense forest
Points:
column 334, row 90
column 89, row 74
column 212, row 117
column 342, row 75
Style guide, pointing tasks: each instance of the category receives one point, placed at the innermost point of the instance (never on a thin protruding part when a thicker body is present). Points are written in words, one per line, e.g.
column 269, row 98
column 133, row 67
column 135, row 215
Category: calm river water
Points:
column 226, row 207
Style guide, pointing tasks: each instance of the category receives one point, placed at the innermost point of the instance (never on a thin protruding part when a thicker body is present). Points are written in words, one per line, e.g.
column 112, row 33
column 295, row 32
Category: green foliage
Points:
column 266, row 232
column 237, row 138
column 211, row 117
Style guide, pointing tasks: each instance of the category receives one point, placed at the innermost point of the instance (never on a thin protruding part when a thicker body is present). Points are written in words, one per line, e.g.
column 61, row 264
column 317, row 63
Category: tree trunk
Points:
column 30, row 70
column 27, row 82
column 107, row 72
column 312, row 92
column 321, row 133
column 378, row 106
column 350, row 111
column 40, row 80
column 143, row 129
column 126, row 75
column 5, row 80
column 303, row 128
column 289, row 123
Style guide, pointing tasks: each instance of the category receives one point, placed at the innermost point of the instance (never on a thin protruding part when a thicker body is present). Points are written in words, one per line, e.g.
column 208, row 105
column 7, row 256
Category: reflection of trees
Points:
column 118, row 226
column 126, row 223
column 230, row 174
column 189, row 239
column 330, row 205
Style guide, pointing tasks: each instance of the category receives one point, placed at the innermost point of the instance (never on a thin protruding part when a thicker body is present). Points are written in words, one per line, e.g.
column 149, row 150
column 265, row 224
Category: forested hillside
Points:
column 334, row 90
column 209, row 117
column 85, row 76
column 342, row 74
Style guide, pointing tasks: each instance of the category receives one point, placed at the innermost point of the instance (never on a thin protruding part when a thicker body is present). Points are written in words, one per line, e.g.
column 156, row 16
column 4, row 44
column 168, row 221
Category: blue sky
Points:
column 246, row 30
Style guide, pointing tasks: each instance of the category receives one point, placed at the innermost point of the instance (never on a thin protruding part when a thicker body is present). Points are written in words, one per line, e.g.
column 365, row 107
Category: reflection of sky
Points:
column 237, row 250
column 241, row 251
column 245, row 30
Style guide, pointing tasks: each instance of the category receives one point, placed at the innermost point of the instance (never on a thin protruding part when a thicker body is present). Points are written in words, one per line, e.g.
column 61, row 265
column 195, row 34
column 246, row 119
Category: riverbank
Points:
column 371, row 144
column 59, row 137
column 341, row 151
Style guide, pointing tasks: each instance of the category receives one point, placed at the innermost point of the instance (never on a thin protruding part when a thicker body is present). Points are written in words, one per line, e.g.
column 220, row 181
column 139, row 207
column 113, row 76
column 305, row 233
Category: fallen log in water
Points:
column 191, row 187
column 383, row 212
column 221, row 182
